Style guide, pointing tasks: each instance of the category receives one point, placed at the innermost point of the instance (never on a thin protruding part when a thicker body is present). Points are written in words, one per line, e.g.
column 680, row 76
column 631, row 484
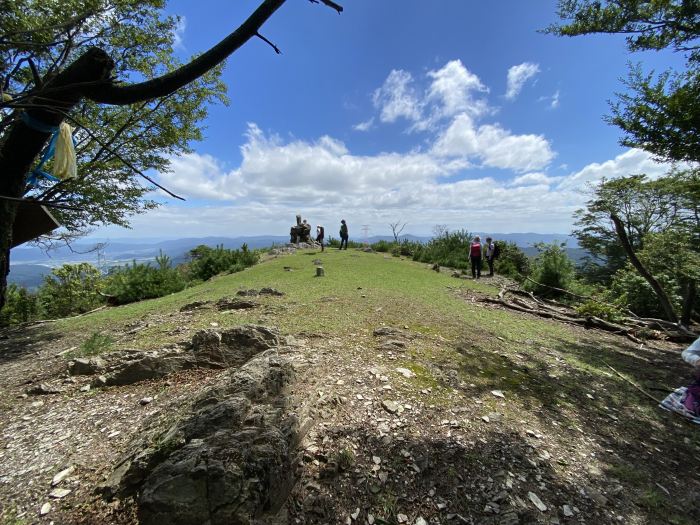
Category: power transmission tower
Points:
column 365, row 232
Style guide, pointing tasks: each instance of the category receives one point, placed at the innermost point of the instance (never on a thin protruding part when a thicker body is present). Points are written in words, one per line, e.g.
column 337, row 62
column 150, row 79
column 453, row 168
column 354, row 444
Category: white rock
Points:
column 62, row 475
column 401, row 518
column 145, row 400
column 355, row 514
column 370, row 519
column 537, row 501
column 568, row 512
column 498, row 393
column 45, row 509
column 420, row 521
column 405, row 372
column 59, row 493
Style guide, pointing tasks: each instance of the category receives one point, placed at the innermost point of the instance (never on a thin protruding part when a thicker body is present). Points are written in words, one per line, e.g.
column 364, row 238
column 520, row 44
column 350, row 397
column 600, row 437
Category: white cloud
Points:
column 454, row 89
column 517, row 76
column 397, row 98
column 532, row 179
column 495, row 146
column 555, row 100
column 179, row 33
column 364, row 126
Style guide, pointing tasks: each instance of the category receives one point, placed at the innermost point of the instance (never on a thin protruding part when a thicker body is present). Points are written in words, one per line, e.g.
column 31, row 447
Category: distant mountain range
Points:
column 30, row 264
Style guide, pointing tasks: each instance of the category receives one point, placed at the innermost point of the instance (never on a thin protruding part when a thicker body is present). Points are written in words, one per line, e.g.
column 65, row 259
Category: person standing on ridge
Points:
column 475, row 257
column 490, row 254
column 319, row 235
column 343, row 234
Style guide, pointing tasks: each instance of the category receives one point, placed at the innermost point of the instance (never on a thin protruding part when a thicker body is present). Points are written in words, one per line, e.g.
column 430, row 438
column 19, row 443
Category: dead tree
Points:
column 89, row 77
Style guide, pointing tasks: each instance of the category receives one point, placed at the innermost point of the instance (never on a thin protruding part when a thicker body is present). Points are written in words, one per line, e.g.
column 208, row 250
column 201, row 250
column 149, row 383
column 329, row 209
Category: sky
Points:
column 453, row 112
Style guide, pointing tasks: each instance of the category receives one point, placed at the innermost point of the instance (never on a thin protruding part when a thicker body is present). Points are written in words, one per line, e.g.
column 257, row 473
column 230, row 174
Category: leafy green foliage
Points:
column 21, row 306
column 140, row 281
column 552, row 268
column 146, row 135
column 660, row 114
column 208, row 262
column 71, row 289
column 607, row 311
column 447, row 249
column 512, row 261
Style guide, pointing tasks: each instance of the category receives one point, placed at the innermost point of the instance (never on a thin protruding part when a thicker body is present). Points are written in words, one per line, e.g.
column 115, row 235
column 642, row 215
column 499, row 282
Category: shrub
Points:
column 512, row 261
column 552, row 268
column 636, row 292
column 95, row 345
column 21, row 306
column 207, row 262
column 609, row 312
column 447, row 249
column 71, row 289
column 383, row 246
column 139, row 281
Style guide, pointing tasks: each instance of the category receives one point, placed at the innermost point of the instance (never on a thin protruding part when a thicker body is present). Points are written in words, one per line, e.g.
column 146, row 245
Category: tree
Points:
column 58, row 92
column 396, row 229
column 660, row 114
column 656, row 223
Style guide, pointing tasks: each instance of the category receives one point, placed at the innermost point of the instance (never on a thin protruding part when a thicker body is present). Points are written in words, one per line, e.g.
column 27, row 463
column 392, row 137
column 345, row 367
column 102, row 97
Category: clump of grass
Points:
column 345, row 459
column 96, row 344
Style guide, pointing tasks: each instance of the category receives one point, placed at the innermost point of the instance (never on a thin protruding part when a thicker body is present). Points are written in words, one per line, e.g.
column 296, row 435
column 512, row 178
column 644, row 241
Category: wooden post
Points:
column 320, row 272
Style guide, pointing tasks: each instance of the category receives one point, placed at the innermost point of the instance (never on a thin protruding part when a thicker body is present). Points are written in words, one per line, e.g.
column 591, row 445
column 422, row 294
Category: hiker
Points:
column 686, row 400
column 319, row 235
column 491, row 254
column 343, row 234
column 475, row 257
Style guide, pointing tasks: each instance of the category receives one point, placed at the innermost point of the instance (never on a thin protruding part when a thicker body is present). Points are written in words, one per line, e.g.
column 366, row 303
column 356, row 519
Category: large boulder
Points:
column 148, row 365
column 234, row 346
column 228, row 460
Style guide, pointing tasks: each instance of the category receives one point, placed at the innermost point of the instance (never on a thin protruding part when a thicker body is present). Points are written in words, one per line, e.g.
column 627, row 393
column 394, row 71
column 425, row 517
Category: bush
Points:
column 332, row 242
column 138, row 281
column 636, row 292
column 553, row 269
column 95, row 345
column 383, row 246
column 446, row 249
column 208, row 262
column 609, row 312
column 70, row 290
column 21, row 306
column 512, row 261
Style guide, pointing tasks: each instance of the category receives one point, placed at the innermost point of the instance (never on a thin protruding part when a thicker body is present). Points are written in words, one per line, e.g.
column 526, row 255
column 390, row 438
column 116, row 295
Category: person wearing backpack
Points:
column 475, row 257
column 319, row 235
column 492, row 253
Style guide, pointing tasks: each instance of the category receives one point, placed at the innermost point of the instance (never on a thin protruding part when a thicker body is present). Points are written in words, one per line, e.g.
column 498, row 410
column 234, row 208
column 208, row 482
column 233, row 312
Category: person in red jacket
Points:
column 475, row 257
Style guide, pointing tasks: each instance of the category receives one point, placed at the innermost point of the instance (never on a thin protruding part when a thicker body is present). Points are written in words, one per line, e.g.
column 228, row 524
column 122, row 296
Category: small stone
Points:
column 376, row 459
column 145, row 401
column 485, row 418
column 537, row 501
column 214, row 324
column 567, row 511
column 59, row 493
column 498, row 393
column 45, row 509
column 402, row 518
column 370, row 519
column 62, row 475
column 383, row 476
column 355, row 514
column 390, row 406
column 405, row 372
column 99, row 381
column 420, row 521
column 85, row 388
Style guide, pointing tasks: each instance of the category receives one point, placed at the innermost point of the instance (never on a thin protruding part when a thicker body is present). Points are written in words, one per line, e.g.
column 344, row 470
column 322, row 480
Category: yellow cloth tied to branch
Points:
column 65, row 165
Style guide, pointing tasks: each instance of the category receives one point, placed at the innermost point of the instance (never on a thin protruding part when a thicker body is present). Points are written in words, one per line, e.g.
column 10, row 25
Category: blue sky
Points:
column 450, row 112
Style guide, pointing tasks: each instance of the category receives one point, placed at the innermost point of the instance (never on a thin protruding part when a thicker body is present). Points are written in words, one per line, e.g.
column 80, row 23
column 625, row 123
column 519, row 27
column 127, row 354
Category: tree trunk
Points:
column 688, row 302
column 658, row 290
column 23, row 143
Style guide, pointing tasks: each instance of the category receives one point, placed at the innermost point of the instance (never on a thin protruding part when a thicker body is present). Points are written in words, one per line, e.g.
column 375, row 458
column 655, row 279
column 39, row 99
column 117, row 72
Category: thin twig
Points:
column 330, row 4
column 49, row 204
column 277, row 50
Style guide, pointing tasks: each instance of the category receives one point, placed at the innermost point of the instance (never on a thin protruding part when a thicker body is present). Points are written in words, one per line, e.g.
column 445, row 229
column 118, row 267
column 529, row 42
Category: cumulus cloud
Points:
column 454, row 89
column 324, row 180
column 517, row 76
column 495, row 146
column 396, row 98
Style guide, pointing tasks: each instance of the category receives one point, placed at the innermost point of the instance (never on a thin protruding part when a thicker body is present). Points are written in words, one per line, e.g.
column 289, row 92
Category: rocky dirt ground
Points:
column 409, row 428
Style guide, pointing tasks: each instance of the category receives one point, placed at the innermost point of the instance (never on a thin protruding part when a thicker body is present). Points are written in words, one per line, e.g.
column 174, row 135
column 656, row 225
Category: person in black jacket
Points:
column 343, row 234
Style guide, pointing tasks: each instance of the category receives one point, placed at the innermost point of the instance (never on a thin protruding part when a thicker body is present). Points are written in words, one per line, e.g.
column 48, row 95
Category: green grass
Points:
column 359, row 292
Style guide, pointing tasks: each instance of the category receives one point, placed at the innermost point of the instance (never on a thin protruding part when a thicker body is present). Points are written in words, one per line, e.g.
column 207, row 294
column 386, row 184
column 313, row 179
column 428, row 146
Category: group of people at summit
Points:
column 478, row 252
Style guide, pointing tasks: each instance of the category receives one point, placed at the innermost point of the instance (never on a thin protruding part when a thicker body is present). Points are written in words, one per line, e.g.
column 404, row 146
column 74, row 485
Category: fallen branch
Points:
column 43, row 321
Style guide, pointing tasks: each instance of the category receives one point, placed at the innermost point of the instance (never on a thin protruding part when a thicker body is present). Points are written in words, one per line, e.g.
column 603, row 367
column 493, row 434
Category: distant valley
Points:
column 30, row 264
